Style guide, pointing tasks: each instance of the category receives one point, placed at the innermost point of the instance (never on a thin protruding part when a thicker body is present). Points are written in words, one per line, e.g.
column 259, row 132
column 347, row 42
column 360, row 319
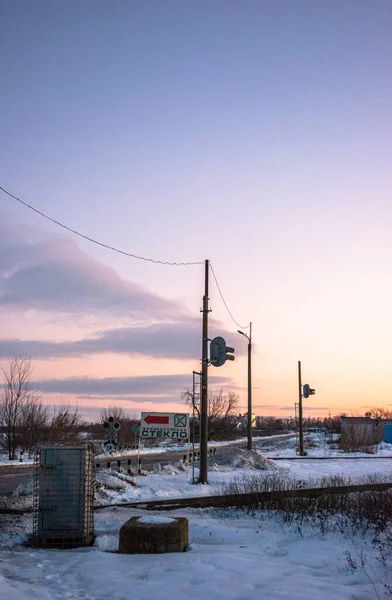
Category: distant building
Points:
column 315, row 430
column 242, row 420
column 365, row 431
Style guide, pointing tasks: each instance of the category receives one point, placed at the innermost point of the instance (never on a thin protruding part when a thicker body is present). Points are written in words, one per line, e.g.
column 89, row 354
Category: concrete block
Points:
column 154, row 535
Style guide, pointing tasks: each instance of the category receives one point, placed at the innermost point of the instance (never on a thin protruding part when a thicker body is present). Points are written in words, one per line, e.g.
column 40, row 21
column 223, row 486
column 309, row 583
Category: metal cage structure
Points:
column 63, row 497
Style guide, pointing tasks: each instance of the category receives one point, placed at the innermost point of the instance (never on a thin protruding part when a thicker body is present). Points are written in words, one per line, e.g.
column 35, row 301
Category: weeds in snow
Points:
column 346, row 514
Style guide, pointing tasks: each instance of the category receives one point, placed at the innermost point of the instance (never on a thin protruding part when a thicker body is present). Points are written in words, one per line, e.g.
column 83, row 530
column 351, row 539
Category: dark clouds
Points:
column 136, row 398
column 51, row 273
column 137, row 386
column 289, row 408
column 308, row 408
column 180, row 340
column 161, row 340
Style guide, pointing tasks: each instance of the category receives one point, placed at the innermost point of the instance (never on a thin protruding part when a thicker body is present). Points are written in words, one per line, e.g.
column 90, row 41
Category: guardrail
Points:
column 119, row 463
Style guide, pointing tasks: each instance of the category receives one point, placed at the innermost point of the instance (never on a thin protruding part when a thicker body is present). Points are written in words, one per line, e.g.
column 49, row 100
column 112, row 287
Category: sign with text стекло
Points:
column 164, row 426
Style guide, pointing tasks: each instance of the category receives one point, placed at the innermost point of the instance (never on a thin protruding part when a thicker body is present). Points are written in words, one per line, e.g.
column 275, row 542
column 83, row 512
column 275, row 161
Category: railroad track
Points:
column 250, row 499
column 371, row 457
column 233, row 500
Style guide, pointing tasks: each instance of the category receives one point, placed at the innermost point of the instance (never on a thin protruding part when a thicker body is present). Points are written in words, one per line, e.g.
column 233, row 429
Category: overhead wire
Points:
column 224, row 301
column 97, row 242
column 123, row 252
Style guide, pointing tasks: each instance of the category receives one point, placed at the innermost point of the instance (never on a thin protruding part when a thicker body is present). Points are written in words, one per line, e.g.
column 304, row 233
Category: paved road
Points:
column 11, row 477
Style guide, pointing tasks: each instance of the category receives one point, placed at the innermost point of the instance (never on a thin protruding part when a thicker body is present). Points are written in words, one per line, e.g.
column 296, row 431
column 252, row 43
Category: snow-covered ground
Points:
column 5, row 462
column 164, row 447
column 318, row 445
column 354, row 464
column 355, row 468
column 233, row 555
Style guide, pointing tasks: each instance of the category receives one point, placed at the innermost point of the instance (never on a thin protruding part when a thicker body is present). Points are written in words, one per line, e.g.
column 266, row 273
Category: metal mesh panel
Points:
column 63, row 497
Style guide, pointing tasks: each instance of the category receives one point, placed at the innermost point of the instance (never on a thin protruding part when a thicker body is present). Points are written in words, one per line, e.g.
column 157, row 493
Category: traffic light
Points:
column 219, row 352
column 308, row 391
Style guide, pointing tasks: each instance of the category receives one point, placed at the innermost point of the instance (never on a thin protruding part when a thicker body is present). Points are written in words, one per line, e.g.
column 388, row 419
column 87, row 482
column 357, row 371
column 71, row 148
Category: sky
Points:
column 255, row 134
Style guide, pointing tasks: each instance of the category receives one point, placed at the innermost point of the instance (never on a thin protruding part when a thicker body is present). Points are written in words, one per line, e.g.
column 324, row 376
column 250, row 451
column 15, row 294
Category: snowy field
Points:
column 233, row 555
column 354, row 468
column 318, row 446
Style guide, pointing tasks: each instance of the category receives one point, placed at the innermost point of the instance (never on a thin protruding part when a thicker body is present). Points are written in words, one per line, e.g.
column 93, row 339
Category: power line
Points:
column 123, row 252
column 94, row 241
column 224, row 301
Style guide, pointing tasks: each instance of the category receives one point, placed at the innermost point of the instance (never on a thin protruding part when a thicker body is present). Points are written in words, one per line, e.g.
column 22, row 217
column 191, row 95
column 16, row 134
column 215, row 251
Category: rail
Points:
column 250, row 499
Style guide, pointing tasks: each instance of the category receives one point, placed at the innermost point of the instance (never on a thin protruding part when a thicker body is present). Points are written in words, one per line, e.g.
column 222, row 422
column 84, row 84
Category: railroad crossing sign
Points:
column 164, row 425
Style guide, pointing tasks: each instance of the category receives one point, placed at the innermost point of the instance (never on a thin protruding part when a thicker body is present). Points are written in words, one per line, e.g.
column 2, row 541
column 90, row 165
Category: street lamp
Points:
column 249, row 424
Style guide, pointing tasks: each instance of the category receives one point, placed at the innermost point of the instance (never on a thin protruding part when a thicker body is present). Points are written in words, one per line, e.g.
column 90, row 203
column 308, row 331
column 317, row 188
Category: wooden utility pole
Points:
column 250, row 388
column 300, row 419
column 203, row 477
column 194, row 373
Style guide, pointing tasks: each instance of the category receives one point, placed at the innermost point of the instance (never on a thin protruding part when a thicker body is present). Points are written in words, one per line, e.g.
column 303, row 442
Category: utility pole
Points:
column 249, row 421
column 203, row 477
column 300, row 419
column 194, row 373
column 250, row 388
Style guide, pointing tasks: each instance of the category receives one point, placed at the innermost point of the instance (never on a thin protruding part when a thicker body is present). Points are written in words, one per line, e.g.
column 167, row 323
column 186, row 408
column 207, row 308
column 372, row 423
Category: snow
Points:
column 156, row 519
column 236, row 458
column 162, row 448
column 4, row 462
column 173, row 482
column 320, row 448
column 233, row 555
column 356, row 469
column 173, row 447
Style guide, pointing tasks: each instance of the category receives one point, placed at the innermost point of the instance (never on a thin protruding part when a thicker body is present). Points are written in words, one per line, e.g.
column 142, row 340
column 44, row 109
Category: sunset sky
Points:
column 256, row 134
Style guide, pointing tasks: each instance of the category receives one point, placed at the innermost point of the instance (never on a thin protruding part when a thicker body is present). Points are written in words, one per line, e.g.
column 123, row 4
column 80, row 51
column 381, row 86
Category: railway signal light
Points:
column 111, row 429
column 219, row 352
column 308, row 391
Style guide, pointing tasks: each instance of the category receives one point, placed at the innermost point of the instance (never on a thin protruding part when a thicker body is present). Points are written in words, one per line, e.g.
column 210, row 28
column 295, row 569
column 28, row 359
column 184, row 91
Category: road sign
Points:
column 157, row 420
column 135, row 428
column 168, row 426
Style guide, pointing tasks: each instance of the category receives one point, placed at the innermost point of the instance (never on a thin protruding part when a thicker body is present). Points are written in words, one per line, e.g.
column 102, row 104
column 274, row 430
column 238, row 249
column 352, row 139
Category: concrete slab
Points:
column 154, row 535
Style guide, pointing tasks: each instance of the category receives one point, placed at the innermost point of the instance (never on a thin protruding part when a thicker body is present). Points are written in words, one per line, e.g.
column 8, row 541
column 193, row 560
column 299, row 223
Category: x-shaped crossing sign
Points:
column 180, row 420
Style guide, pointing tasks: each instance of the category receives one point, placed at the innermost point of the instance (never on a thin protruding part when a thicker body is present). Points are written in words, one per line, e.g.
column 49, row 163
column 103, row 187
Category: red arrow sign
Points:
column 157, row 420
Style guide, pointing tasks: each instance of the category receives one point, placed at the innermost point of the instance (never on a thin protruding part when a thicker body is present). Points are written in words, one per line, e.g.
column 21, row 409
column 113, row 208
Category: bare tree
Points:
column 33, row 427
column 19, row 398
column 222, row 411
column 117, row 412
column 64, row 425
column 379, row 413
